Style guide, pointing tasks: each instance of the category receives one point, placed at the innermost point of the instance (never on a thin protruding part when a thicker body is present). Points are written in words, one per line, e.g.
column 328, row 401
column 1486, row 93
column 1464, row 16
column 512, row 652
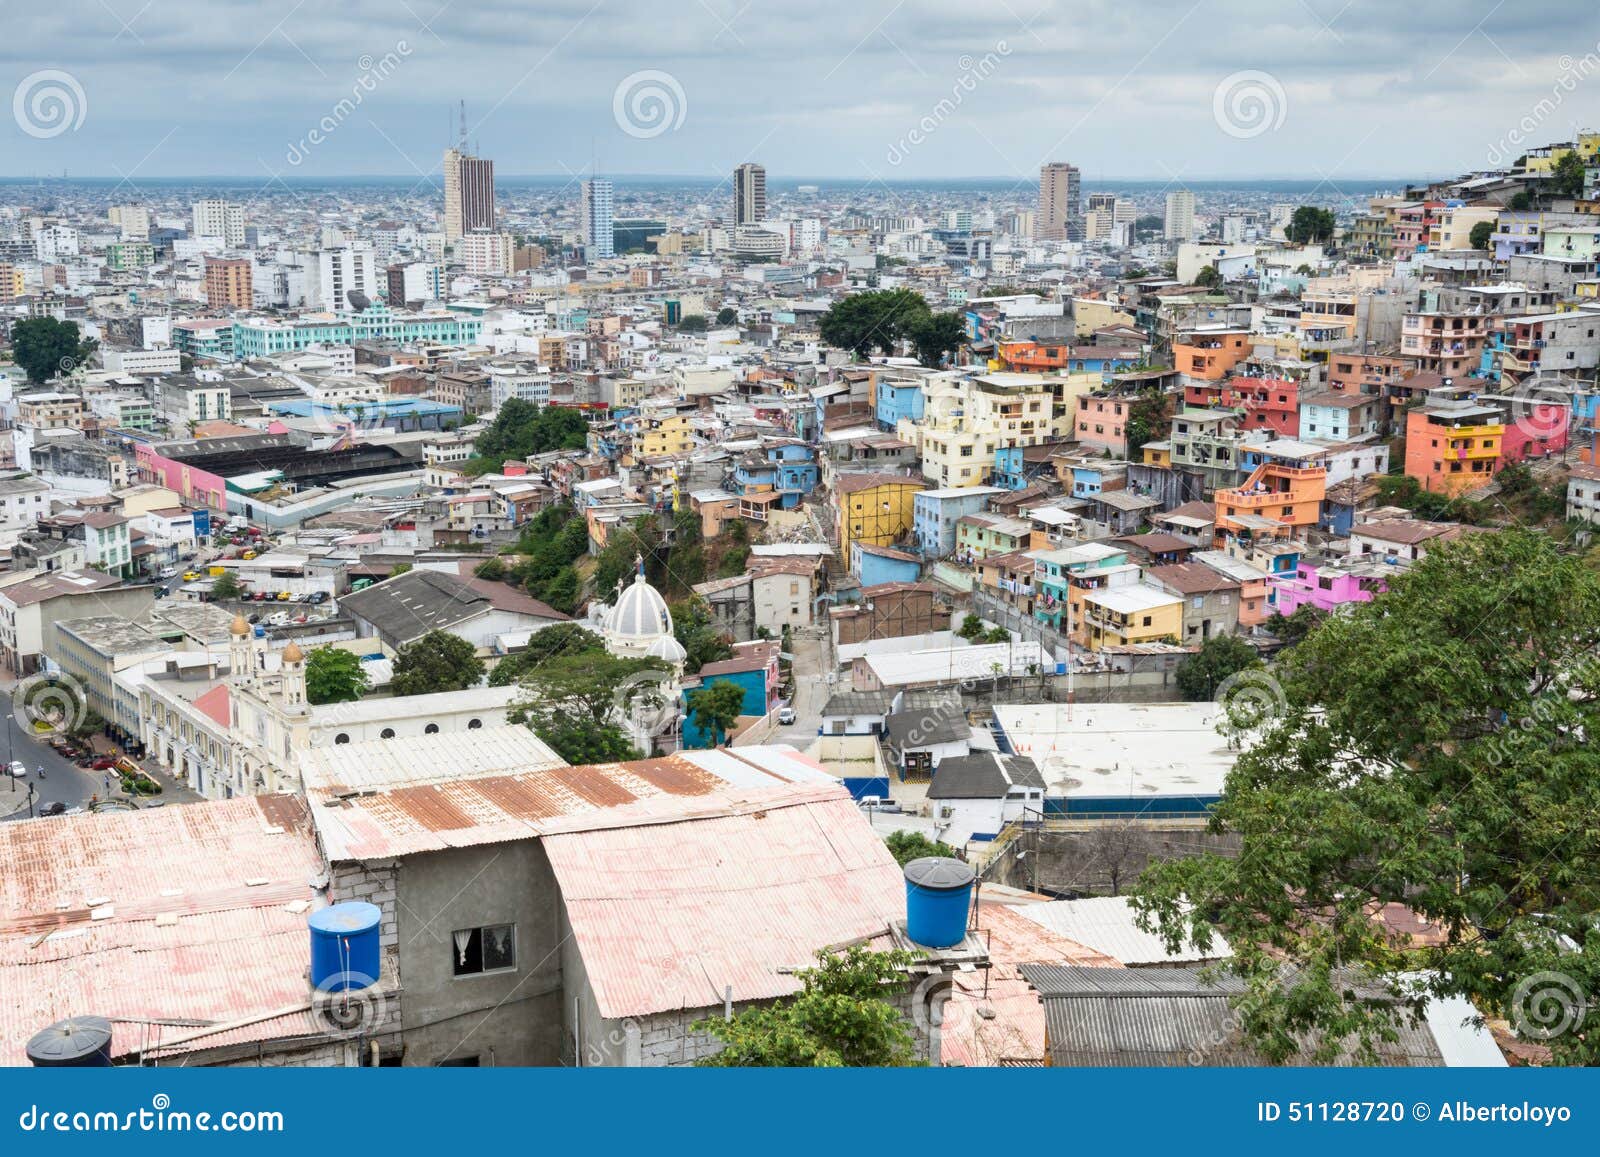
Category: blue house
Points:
column 1009, row 472
column 749, row 673
column 898, row 398
column 882, row 564
column 788, row 468
column 936, row 512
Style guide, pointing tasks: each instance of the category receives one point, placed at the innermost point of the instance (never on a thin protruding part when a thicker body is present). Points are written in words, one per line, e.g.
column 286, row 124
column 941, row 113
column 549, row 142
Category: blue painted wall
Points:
column 755, row 703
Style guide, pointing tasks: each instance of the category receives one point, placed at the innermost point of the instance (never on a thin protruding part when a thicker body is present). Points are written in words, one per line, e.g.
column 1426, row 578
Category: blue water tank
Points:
column 938, row 896
column 344, row 946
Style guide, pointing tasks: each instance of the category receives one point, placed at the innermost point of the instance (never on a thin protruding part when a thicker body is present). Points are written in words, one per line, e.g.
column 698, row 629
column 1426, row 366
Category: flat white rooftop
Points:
column 1121, row 750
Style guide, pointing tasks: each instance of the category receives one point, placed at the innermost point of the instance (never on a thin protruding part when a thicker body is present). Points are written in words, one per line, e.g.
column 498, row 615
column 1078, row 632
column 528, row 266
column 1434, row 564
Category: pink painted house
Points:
column 1328, row 587
column 199, row 487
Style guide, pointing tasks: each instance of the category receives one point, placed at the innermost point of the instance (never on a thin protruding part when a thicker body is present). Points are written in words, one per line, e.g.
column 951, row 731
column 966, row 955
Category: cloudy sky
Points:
column 1164, row 89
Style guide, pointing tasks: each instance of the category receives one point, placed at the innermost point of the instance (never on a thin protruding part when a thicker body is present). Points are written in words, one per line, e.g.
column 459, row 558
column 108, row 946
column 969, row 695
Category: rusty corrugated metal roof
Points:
column 667, row 916
column 498, row 808
column 194, row 919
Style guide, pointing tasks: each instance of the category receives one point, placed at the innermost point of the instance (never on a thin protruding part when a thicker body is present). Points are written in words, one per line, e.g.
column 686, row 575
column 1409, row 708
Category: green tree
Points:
column 1430, row 750
column 492, row 569
column 971, row 628
column 563, row 640
column 727, row 315
column 842, row 1017
column 45, row 347
column 1310, row 226
column 399, row 568
column 625, row 546
column 574, row 702
column 1521, row 201
column 908, row 846
column 1200, row 674
column 877, row 319
column 692, row 323
column 334, row 675
column 1147, row 421
column 715, row 708
column 225, row 587
column 936, row 335
column 1567, row 178
column 522, row 428
column 703, row 642
column 438, row 661
column 1294, row 628
column 1209, row 277
column 1481, row 232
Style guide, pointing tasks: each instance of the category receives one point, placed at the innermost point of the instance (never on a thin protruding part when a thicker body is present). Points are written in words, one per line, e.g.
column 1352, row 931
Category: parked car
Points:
column 18, row 769
column 54, row 808
column 283, row 596
column 190, row 576
column 319, row 597
column 104, row 763
column 168, row 572
column 786, row 716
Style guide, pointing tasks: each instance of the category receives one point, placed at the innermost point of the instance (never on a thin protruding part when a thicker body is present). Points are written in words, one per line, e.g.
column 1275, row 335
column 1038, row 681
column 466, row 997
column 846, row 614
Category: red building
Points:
column 1267, row 403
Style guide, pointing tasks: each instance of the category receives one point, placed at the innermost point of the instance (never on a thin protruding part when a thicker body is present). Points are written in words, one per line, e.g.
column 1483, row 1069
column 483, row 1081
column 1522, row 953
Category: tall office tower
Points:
column 230, row 282
column 468, row 193
column 1180, row 215
column 749, row 195
column 1059, row 218
column 222, row 220
column 598, row 198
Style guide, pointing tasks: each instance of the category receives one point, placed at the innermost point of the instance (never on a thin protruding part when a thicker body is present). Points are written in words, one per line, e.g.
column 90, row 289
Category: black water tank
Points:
column 83, row 1042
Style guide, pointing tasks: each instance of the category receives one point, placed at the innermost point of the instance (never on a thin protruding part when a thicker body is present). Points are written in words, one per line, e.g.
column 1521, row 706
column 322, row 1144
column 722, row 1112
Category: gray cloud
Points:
column 185, row 87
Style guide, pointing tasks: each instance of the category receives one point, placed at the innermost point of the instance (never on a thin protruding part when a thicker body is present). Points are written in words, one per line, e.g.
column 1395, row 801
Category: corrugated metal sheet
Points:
column 1169, row 1017
column 385, row 764
column 666, row 916
column 1107, row 925
column 997, row 1019
column 497, row 808
column 224, row 951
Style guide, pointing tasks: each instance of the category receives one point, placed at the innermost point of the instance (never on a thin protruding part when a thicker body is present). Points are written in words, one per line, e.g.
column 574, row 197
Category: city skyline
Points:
column 902, row 93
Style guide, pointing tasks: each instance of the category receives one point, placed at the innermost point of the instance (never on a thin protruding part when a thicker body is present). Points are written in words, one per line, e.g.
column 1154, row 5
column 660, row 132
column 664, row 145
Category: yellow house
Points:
column 877, row 509
column 658, row 437
column 1090, row 314
column 1122, row 615
column 1157, row 454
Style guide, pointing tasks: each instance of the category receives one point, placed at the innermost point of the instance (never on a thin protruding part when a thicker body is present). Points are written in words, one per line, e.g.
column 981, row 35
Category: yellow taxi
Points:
column 283, row 596
column 247, row 555
column 189, row 576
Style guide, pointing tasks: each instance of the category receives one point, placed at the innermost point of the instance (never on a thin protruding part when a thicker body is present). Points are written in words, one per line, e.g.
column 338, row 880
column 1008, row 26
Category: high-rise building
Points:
column 339, row 273
column 749, row 195
column 1104, row 213
column 468, row 194
column 11, row 283
column 1059, row 217
column 133, row 221
column 598, row 202
column 229, row 283
column 221, row 220
column 1180, row 215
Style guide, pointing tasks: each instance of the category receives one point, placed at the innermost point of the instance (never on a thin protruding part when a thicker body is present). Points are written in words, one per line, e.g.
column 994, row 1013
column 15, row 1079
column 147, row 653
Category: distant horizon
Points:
column 713, row 181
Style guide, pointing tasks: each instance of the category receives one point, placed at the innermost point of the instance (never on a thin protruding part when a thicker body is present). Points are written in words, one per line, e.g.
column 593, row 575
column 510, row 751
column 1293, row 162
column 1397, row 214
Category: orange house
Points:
column 1282, row 498
column 1452, row 447
column 1210, row 353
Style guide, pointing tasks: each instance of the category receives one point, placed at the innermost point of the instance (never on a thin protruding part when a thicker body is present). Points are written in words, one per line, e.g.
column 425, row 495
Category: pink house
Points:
column 1327, row 587
column 198, row 487
column 1102, row 422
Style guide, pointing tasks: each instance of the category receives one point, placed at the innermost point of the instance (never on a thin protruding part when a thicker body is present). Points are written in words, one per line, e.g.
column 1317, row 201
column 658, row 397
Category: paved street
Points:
column 63, row 779
column 811, row 689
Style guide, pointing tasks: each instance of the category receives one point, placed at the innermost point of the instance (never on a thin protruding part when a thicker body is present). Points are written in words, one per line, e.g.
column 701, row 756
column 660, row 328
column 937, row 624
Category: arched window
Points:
column 474, row 724
column 342, row 737
column 431, row 729
column 386, row 733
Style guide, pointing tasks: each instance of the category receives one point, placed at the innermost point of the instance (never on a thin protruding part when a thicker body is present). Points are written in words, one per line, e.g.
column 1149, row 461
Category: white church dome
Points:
column 668, row 648
column 640, row 613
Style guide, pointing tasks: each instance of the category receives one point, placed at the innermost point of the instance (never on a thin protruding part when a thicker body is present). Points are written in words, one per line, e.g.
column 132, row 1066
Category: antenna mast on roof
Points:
column 463, row 126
